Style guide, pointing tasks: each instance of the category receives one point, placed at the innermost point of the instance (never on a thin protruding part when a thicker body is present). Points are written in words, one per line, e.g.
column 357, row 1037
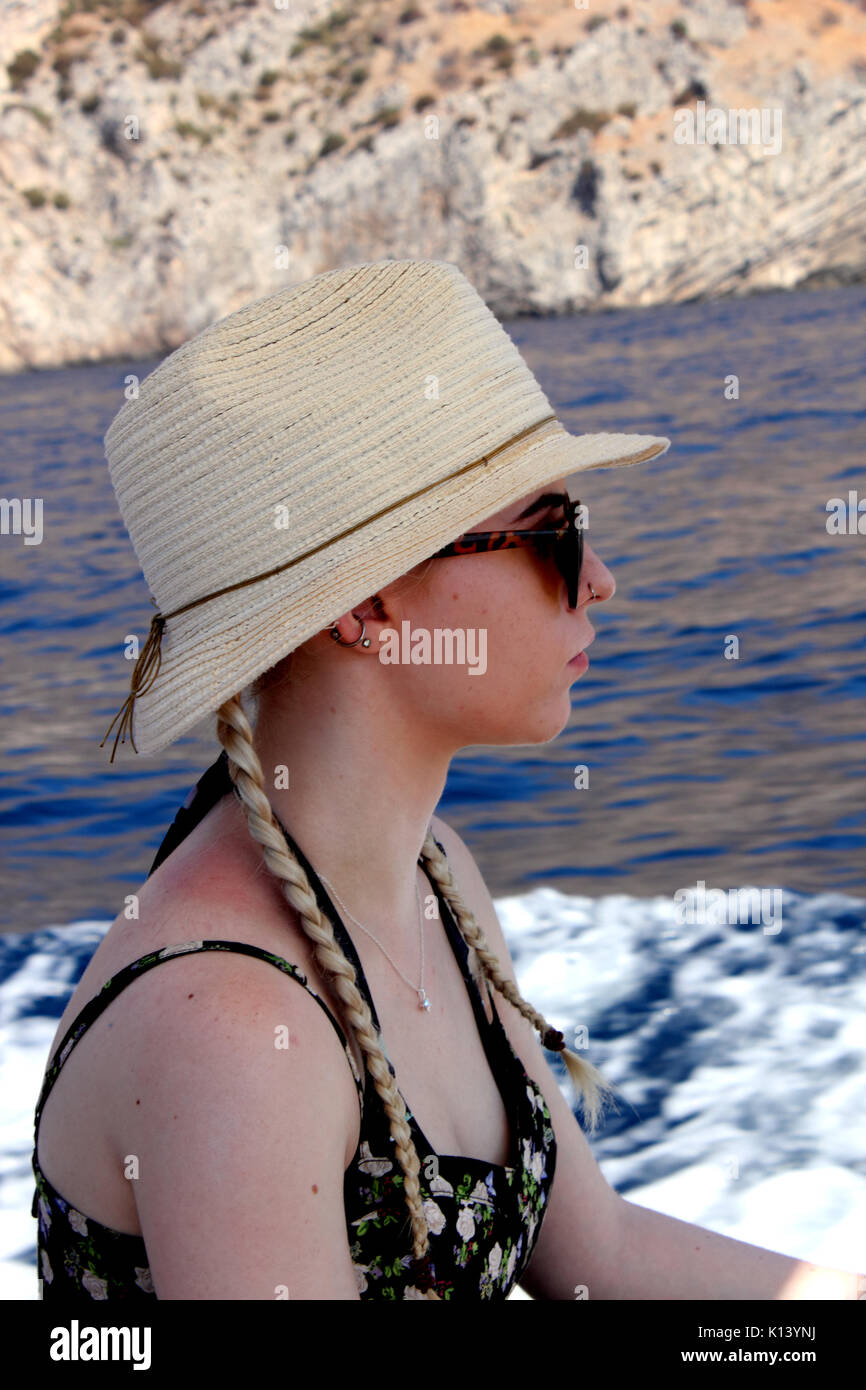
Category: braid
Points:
column 588, row 1081
column 235, row 735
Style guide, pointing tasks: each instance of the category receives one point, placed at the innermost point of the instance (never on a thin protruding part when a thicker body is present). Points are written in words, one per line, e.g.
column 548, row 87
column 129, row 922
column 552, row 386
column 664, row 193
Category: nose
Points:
column 595, row 573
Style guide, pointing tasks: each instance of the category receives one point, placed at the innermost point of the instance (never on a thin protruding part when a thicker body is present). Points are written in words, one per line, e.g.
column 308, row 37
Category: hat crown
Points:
column 305, row 412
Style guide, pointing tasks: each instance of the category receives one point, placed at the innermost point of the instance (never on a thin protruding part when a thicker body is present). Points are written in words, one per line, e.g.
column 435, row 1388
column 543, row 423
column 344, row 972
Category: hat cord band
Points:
column 149, row 659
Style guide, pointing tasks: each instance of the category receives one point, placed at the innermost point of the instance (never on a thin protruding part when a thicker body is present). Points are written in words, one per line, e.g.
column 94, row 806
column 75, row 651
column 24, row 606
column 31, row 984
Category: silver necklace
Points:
column 423, row 1001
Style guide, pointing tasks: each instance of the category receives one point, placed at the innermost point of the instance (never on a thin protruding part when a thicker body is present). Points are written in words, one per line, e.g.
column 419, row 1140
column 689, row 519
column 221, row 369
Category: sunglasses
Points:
column 565, row 544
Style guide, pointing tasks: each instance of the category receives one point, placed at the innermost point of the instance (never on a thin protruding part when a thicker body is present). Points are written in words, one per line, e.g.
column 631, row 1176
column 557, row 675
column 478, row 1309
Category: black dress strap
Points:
column 119, row 981
column 210, row 788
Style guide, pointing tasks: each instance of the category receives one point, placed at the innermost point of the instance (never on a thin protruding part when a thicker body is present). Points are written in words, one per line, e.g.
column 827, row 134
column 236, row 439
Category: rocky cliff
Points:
column 163, row 163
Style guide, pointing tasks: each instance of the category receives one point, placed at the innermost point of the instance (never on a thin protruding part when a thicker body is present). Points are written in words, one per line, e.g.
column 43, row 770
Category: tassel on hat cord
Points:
column 146, row 670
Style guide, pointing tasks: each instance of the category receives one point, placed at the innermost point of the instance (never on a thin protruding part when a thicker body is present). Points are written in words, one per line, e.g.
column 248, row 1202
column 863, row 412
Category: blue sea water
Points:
column 740, row 1053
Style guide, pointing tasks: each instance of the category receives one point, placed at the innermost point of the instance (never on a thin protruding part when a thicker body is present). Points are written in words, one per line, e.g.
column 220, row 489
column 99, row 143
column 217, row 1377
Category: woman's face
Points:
column 511, row 609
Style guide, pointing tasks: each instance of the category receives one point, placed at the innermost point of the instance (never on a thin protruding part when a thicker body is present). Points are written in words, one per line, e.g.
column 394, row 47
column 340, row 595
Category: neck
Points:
column 363, row 784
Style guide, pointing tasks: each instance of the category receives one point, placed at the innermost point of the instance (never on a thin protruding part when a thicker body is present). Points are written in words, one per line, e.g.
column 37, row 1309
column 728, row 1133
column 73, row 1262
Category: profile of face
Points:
column 512, row 606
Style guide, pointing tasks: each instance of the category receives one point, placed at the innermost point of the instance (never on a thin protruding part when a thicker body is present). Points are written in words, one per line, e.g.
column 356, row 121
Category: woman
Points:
column 223, row 1135
column 316, row 401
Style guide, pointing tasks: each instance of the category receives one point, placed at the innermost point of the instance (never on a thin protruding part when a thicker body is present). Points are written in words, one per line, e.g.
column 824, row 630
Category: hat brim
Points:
column 214, row 650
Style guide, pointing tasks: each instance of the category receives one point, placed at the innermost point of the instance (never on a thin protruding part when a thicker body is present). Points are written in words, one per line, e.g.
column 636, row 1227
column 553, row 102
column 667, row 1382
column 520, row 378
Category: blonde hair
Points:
column 236, row 736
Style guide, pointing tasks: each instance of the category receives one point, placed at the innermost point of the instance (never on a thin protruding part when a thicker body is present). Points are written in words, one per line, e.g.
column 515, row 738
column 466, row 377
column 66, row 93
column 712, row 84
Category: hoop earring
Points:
column 362, row 638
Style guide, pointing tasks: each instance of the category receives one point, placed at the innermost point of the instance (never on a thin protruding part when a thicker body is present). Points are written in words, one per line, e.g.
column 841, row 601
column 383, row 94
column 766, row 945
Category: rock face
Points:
column 163, row 163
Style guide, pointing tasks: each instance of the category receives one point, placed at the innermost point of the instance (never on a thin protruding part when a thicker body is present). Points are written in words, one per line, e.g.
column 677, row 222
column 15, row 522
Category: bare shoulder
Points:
column 234, row 1095
column 580, row 1237
column 215, row 885
column 235, row 1110
column 215, row 889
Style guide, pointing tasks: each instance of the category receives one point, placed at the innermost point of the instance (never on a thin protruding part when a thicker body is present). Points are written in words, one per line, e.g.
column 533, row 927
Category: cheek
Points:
column 488, row 592
column 517, row 613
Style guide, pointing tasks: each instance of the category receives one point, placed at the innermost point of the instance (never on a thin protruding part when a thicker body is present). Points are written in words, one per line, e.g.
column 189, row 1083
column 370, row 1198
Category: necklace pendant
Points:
column 425, row 1002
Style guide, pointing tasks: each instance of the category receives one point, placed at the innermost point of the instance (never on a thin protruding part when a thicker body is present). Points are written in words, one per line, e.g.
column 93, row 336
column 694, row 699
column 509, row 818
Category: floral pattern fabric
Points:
column 483, row 1219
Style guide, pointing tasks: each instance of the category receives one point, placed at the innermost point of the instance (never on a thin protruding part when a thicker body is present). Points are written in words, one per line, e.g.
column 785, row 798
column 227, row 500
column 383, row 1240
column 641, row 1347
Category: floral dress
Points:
column 483, row 1218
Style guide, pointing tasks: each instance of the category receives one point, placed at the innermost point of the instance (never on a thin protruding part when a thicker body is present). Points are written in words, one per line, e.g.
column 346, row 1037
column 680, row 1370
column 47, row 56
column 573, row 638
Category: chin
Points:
column 549, row 724
column 531, row 723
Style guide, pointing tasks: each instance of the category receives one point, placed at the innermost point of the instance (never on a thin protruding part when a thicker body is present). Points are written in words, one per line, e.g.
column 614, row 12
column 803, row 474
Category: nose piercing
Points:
column 592, row 593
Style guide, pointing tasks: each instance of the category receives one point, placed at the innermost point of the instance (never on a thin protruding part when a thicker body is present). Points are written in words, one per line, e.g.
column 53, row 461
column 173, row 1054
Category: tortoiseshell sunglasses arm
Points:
column 476, row 542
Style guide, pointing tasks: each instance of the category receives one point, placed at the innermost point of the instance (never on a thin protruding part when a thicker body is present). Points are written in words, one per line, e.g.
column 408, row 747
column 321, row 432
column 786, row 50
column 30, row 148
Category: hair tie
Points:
column 422, row 1273
column 553, row 1040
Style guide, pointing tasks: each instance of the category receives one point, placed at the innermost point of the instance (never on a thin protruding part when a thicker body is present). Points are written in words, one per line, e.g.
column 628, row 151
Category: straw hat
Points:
column 307, row 450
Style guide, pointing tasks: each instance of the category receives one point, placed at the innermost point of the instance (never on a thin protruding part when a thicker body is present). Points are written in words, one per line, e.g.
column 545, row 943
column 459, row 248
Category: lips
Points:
column 583, row 649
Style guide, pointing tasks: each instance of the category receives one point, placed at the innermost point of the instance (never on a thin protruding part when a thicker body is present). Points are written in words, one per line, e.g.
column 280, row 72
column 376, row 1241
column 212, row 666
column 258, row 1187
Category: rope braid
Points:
column 589, row 1083
column 235, row 734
